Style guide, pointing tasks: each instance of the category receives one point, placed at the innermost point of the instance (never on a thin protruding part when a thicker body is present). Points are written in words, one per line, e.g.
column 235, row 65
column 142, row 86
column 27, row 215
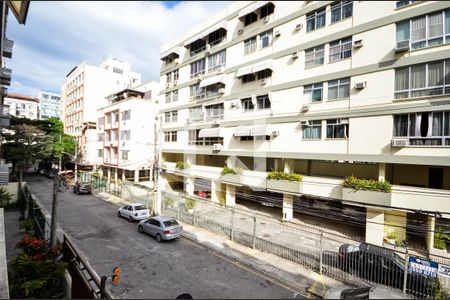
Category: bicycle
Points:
column 62, row 185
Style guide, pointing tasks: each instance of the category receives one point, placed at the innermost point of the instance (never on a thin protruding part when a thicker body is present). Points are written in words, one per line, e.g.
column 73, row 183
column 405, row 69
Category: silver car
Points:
column 162, row 228
column 135, row 211
column 363, row 293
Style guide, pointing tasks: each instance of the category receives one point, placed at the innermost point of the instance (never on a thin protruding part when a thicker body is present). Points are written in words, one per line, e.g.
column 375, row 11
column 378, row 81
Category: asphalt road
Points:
column 150, row 269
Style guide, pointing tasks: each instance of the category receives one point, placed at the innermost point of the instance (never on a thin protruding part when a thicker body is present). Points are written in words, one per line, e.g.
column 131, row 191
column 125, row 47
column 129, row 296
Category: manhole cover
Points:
column 266, row 235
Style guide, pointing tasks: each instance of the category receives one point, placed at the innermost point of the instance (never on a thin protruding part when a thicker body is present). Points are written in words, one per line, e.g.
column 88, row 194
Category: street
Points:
column 149, row 269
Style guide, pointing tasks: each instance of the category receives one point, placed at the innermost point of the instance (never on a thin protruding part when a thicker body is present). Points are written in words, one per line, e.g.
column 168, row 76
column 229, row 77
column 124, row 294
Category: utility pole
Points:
column 76, row 160
column 54, row 209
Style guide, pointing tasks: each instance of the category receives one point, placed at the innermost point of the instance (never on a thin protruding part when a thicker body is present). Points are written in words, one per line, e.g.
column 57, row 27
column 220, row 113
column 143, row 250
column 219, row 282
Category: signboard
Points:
column 425, row 267
column 444, row 270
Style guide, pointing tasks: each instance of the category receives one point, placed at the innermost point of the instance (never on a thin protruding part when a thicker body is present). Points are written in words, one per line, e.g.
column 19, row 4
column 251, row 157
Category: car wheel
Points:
column 140, row 229
column 158, row 238
column 130, row 219
column 119, row 214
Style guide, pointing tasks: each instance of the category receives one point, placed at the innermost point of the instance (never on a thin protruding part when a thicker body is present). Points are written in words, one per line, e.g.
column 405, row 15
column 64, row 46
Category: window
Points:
column 313, row 92
column 250, row 18
column 213, row 90
column 248, row 78
column 126, row 115
column 341, row 10
column 247, row 104
column 265, row 39
column 169, row 77
column 214, row 112
column 314, row 56
column 264, row 74
column 197, row 92
column 175, row 116
column 101, row 121
column 117, row 70
column 336, row 130
column 339, row 89
column 424, row 129
column 263, row 102
column 170, row 136
column 194, row 139
column 167, row 136
column 315, row 20
column 168, row 98
column 197, row 68
column 209, row 141
column 100, row 137
column 266, row 10
column 175, row 96
column 173, row 134
column 197, row 46
column 403, row 3
column 424, row 31
column 250, row 45
column 175, row 76
column 125, row 135
column 340, row 49
column 423, row 80
column 216, row 37
column 171, row 116
column 217, row 60
column 313, row 131
column 125, row 154
column 100, row 152
column 196, row 114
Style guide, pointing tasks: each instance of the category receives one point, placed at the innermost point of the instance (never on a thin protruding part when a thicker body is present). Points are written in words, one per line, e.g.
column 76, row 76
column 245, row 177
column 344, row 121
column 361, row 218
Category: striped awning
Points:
column 212, row 80
column 192, row 39
column 213, row 28
column 251, row 8
column 264, row 65
column 210, row 132
column 260, row 130
column 242, row 131
column 244, row 71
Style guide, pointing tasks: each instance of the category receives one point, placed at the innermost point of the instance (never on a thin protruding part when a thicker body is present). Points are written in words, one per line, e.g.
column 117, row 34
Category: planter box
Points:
column 285, row 185
column 373, row 197
column 231, row 178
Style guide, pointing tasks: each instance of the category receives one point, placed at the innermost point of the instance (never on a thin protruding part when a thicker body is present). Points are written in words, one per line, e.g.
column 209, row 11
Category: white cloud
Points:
column 60, row 35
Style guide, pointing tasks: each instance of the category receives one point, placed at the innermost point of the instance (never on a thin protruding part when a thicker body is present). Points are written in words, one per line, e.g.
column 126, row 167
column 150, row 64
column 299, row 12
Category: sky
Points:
column 60, row 35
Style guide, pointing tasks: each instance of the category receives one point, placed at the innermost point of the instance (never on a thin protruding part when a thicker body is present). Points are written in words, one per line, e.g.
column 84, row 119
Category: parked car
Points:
column 82, row 188
column 135, row 211
column 162, row 228
column 368, row 292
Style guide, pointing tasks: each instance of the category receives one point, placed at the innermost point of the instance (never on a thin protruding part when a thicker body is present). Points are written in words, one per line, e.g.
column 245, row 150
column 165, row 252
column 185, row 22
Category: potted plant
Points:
column 391, row 237
column 180, row 165
column 190, row 204
column 223, row 202
column 169, row 202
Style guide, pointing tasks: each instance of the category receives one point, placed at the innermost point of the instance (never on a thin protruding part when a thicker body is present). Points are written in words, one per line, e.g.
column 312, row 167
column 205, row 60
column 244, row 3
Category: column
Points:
column 136, row 175
column 216, row 193
column 109, row 174
column 115, row 175
column 230, row 195
column 374, row 226
column 123, row 175
column 288, row 165
column 190, row 159
column 381, row 171
column 288, row 204
column 431, row 223
column 189, row 185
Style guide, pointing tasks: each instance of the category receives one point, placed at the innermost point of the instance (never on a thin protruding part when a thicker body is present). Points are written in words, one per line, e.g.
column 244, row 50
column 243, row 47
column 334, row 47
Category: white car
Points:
column 133, row 212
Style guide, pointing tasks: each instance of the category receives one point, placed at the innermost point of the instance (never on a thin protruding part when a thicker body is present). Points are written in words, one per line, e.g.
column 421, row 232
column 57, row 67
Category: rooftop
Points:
column 21, row 97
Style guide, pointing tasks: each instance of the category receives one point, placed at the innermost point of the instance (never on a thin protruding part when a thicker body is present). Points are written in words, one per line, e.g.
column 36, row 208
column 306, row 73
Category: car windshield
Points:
column 358, row 293
column 140, row 207
column 170, row 223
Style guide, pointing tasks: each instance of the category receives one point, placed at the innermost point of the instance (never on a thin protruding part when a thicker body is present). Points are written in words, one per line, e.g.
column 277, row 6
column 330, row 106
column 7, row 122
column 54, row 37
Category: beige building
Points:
column 324, row 89
column 85, row 90
column 22, row 106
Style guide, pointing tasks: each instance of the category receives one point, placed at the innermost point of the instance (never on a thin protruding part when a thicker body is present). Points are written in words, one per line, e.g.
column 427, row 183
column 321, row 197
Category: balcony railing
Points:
column 7, row 48
column 215, row 116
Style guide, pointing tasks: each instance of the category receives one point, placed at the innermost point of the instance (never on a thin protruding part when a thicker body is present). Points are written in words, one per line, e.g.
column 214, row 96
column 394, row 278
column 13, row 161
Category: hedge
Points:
column 367, row 184
column 275, row 175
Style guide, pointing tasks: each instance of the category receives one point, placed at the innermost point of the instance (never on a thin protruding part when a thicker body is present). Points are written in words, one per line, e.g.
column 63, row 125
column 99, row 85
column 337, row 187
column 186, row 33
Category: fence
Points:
column 332, row 255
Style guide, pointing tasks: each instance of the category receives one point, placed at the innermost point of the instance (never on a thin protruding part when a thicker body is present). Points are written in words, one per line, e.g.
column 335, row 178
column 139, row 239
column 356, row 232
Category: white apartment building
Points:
column 22, row 106
column 50, row 105
column 126, row 133
column 84, row 91
column 320, row 88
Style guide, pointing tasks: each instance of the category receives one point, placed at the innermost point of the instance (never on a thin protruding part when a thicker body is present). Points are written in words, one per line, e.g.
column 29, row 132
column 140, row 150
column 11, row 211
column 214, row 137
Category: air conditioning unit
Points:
column 360, row 85
column 357, row 44
column 240, row 31
column 304, row 123
column 176, row 61
column 275, row 133
column 266, row 19
column 263, row 81
column 402, row 46
column 221, row 91
column 294, row 55
column 298, row 26
column 305, row 108
column 217, row 147
column 343, row 121
column 399, row 142
column 277, row 33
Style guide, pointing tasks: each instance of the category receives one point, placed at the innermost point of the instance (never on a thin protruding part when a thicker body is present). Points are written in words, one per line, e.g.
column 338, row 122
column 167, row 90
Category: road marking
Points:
column 247, row 268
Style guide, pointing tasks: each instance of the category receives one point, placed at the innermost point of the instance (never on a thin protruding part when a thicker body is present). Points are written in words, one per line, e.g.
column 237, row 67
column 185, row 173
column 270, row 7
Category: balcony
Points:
column 7, row 48
column 5, row 77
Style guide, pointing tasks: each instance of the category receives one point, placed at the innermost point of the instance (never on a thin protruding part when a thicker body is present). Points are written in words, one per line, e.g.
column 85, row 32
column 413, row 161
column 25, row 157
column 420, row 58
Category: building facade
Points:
column 126, row 133
column 50, row 105
column 85, row 90
column 324, row 89
column 22, row 106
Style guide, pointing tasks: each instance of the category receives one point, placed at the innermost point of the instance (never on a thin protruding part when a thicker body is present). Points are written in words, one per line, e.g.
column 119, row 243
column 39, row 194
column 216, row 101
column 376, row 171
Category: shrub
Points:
column 439, row 244
column 440, row 238
column 223, row 201
column 228, row 170
column 180, row 165
column 5, row 197
column 275, row 175
column 392, row 235
column 169, row 201
column 27, row 224
column 190, row 203
column 367, row 184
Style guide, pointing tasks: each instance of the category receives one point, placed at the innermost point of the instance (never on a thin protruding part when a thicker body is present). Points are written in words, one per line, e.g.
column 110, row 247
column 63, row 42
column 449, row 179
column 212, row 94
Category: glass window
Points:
column 217, row 60
column 175, row 116
column 265, row 39
column 247, row 104
column 341, row 10
column 214, row 112
column 125, row 135
column 168, row 98
column 175, row 76
column 266, row 10
column 315, row 20
column 250, row 45
column 174, row 135
column 250, row 18
column 401, row 125
column 339, row 89
column 336, row 130
column 216, row 37
column 100, row 152
column 125, row 154
column 197, row 68
column 197, row 92
column 248, row 78
column 169, row 77
column 314, row 56
column 167, row 117
column 340, row 49
column 100, row 137
column 264, row 74
column 167, row 136
column 313, row 92
column 175, row 96
column 262, row 102
column 196, row 113
column 197, row 46
column 402, row 31
column 313, row 131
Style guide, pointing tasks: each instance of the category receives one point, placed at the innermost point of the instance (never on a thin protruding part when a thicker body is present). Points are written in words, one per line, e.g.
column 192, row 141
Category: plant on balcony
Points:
column 278, row 175
column 190, row 203
column 440, row 239
column 180, row 165
column 367, row 184
column 391, row 237
column 5, row 197
column 228, row 170
column 169, row 202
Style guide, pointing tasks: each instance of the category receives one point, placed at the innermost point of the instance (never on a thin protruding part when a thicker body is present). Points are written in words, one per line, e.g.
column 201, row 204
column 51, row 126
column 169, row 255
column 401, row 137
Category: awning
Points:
column 210, row 132
column 212, row 80
column 193, row 39
column 242, row 131
column 252, row 8
column 211, row 29
column 268, row 64
column 259, row 130
column 244, row 71
column 172, row 52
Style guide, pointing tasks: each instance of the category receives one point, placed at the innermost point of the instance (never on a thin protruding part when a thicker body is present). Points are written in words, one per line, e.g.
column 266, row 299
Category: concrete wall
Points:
column 4, row 286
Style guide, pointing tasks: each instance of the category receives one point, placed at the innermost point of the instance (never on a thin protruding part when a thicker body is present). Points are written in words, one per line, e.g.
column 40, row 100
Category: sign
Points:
column 444, row 270
column 424, row 267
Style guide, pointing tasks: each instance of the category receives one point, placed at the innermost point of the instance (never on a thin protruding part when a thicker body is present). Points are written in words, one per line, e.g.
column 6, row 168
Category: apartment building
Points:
column 22, row 106
column 126, row 133
column 50, row 105
column 85, row 90
column 320, row 88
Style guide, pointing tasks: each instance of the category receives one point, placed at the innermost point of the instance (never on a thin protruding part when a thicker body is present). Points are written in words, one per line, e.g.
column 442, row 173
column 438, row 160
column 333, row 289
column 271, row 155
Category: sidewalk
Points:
column 292, row 275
